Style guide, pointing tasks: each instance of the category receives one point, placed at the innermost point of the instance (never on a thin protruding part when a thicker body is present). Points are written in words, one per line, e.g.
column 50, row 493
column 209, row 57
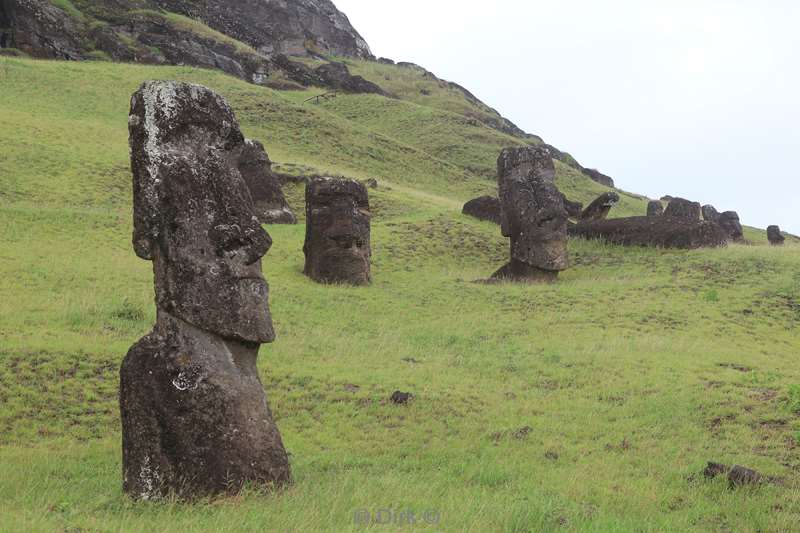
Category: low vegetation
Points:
column 589, row 405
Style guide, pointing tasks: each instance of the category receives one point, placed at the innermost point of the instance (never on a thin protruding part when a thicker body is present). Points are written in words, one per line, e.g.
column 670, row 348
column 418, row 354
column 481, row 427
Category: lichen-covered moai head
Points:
column 337, row 245
column 193, row 213
column 682, row 208
column 533, row 215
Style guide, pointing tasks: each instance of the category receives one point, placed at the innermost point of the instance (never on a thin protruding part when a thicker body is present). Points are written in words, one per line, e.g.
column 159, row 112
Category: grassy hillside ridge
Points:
column 588, row 405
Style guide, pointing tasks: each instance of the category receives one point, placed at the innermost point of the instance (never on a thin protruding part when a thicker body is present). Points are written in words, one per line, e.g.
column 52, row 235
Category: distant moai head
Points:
column 600, row 207
column 775, row 236
column 730, row 224
column 682, row 208
column 655, row 208
column 533, row 215
column 193, row 213
column 337, row 245
column 710, row 213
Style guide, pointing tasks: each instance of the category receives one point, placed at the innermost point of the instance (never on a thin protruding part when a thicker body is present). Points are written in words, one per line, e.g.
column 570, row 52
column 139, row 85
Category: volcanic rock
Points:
column 710, row 213
column 483, row 208
column 532, row 215
column 775, row 236
column 337, row 245
column 600, row 207
column 195, row 419
column 681, row 208
column 729, row 222
column 664, row 232
column 269, row 202
column 655, row 208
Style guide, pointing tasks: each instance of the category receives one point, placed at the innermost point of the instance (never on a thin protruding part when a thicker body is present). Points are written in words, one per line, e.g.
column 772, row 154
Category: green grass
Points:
column 631, row 372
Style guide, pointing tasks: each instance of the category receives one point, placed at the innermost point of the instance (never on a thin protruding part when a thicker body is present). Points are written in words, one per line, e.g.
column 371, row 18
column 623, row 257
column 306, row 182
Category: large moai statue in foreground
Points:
column 532, row 215
column 337, row 245
column 195, row 419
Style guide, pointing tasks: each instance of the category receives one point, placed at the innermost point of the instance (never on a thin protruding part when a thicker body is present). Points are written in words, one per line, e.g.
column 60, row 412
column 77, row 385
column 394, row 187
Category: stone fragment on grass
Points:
column 401, row 398
column 195, row 419
column 775, row 236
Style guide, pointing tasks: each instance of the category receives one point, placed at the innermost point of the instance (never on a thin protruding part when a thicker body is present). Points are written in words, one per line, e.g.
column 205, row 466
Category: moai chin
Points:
column 337, row 244
column 532, row 215
column 195, row 419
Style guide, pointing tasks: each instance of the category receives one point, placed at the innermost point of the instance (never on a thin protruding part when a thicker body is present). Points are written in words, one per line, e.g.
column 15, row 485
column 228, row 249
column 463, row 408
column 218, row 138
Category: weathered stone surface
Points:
column 337, row 76
column 710, row 213
column 600, row 207
column 729, row 222
column 532, row 215
column 483, row 208
column 269, row 202
column 195, row 419
column 682, row 208
column 337, row 245
column 664, row 232
column 775, row 236
column 655, row 208
column 737, row 475
column 574, row 209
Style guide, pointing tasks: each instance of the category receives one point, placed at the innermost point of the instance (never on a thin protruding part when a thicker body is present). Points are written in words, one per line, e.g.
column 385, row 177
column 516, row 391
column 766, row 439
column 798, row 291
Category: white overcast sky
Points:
column 699, row 99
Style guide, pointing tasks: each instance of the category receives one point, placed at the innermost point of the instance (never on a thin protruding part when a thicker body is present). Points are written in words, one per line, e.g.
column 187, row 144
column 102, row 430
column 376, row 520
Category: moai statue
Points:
column 729, row 222
column 533, row 216
column 655, row 208
column 775, row 236
column 195, row 419
column 337, row 246
column 270, row 204
column 682, row 208
column 600, row 207
column 710, row 213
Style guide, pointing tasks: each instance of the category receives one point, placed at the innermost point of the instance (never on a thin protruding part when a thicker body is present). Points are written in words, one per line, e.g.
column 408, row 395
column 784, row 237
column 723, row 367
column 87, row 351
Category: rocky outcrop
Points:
column 337, row 76
column 337, row 245
column 775, row 236
column 195, row 419
column 483, row 208
column 662, row 232
column 599, row 177
column 252, row 42
column 655, row 208
column 269, row 203
column 600, row 207
column 532, row 216
column 682, row 208
column 567, row 159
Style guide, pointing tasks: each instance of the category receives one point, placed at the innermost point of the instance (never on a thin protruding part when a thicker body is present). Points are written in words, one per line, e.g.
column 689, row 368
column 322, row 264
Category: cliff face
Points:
column 49, row 29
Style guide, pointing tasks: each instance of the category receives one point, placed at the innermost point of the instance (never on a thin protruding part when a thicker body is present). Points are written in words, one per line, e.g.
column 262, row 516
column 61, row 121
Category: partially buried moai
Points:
column 533, row 216
column 775, row 236
column 337, row 245
column 195, row 419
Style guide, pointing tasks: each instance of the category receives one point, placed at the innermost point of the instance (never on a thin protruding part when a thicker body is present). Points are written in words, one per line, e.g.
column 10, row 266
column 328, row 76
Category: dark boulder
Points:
column 195, row 419
column 269, row 202
column 655, row 208
column 710, row 213
column 600, row 207
column 401, row 398
column 775, row 236
column 738, row 476
column 337, row 76
column 532, row 216
column 729, row 222
column 663, row 232
column 681, row 208
column 483, row 208
column 337, row 245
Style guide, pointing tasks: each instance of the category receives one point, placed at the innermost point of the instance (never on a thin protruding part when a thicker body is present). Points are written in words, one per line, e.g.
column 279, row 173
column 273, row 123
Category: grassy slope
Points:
column 624, row 370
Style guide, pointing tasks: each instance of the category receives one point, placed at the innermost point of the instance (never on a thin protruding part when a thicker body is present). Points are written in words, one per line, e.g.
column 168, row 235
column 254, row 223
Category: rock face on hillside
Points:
column 533, row 216
column 179, row 32
column 337, row 245
column 195, row 419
